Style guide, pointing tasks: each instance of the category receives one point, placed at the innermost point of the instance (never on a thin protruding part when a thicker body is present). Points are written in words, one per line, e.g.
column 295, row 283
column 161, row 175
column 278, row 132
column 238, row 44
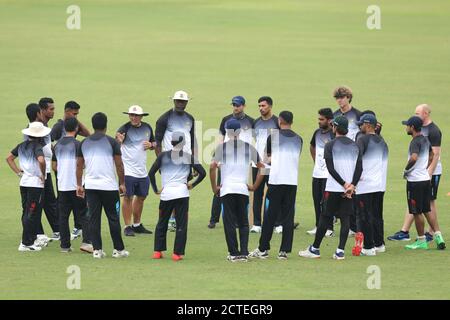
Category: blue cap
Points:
column 233, row 124
column 414, row 121
column 239, row 100
column 367, row 118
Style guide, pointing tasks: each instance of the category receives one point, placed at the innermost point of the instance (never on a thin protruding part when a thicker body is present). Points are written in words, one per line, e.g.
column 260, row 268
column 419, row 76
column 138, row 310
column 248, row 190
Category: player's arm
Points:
column 312, row 147
column 83, row 130
column 259, row 177
column 152, row 173
column 120, row 172
column 328, row 156
column 213, row 177
column 161, row 127
column 436, row 153
column 12, row 164
column 201, row 175
column 411, row 162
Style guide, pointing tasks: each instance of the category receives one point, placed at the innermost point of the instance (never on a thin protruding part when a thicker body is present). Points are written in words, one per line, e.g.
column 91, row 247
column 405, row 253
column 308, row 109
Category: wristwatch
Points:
column 20, row 174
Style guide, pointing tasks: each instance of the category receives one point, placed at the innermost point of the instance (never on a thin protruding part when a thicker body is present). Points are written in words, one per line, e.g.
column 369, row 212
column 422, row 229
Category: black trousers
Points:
column 235, row 214
column 31, row 213
column 69, row 202
column 108, row 200
column 77, row 219
column 378, row 222
column 318, row 189
column 258, row 198
column 180, row 208
column 282, row 207
column 216, row 206
column 365, row 204
column 50, row 206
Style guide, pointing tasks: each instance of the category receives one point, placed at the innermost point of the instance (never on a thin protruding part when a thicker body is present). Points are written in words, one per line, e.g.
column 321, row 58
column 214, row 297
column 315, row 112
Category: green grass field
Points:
column 140, row 52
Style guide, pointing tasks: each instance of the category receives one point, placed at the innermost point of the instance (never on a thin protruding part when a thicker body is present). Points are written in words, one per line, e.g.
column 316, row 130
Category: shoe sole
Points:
column 337, row 258
column 390, row 239
column 309, row 257
column 441, row 246
column 87, row 250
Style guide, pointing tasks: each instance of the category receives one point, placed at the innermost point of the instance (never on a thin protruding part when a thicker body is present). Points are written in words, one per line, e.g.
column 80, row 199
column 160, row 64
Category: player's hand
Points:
column 189, row 186
column 120, row 137
column 148, row 145
column 216, row 190
column 42, row 178
column 80, row 192
column 405, row 174
column 250, row 187
column 122, row 190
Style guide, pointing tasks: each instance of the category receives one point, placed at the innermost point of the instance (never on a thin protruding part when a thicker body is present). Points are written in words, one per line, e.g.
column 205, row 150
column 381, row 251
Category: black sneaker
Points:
column 211, row 225
column 128, row 231
column 141, row 229
column 282, row 255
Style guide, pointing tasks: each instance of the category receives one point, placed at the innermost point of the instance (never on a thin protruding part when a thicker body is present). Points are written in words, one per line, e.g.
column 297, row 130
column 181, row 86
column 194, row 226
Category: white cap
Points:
column 37, row 130
column 136, row 110
column 181, row 95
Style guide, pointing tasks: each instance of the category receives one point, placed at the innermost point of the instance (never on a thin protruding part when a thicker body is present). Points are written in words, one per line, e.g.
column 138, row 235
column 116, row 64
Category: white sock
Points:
column 421, row 238
column 136, row 224
column 339, row 250
column 438, row 233
column 314, row 249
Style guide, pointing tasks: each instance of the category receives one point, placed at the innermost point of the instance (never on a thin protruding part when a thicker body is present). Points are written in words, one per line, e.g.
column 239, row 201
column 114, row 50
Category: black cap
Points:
column 341, row 122
column 415, row 122
column 367, row 118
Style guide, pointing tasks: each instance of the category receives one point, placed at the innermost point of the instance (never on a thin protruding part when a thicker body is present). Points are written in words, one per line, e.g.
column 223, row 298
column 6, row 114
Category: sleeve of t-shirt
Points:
column 115, row 146
column 122, row 129
column 414, row 146
column 38, row 151
column 80, row 149
column 222, row 126
column 328, row 150
column 161, row 126
column 152, row 136
column 57, row 130
column 313, row 139
column 152, row 172
column 192, row 134
column 435, row 137
column 15, row 151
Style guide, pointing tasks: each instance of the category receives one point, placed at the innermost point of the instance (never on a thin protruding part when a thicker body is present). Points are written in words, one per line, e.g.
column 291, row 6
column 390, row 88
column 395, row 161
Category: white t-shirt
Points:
column 318, row 141
column 171, row 122
column 28, row 152
column 98, row 152
column 284, row 148
column 422, row 147
column 66, row 159
column 134, row 156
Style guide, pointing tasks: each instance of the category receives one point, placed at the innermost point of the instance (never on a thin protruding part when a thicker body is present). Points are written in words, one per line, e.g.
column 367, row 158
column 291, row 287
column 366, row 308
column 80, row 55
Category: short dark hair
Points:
column 99, row 121
column 32, row 111
column 267, row 99
column 43, row 103
column 327, row 113
column 343, row 91
column 287, row 116
column 70, row 124
column 341, row 130
column 71, row 105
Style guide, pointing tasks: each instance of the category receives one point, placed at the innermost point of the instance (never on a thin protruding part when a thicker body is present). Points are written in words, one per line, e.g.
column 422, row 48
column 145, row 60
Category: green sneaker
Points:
column 439, row 241
column 419, row 244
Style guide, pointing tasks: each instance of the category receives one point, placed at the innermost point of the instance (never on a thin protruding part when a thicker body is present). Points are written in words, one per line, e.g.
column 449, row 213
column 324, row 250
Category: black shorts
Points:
column 334, row 204
column 137, row 186
column 419, row 196
column 435, row 185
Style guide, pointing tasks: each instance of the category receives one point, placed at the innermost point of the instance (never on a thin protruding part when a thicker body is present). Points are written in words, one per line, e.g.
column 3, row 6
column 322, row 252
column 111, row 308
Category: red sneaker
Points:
column 157, row 255
column 176, row 257
column 359, row 240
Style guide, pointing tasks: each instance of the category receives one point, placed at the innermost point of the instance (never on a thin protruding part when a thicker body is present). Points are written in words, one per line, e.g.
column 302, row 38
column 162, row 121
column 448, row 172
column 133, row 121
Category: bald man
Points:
column 434, row 135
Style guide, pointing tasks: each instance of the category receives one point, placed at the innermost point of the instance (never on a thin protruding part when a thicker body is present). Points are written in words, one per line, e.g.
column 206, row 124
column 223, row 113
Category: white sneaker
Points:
column 259, row 254
column 312, row 232
column 310, row 253
column 278, row 229
column 351, row 234
column 54, row 237
column 380, row 249
column 41, row 241
column 256, row 229
column 87, row 247
column 329, row 233
column 43, row 238
column 99, row 254
column 120, row 253
column 24, row 248
column 76, row 233
column 369, row 252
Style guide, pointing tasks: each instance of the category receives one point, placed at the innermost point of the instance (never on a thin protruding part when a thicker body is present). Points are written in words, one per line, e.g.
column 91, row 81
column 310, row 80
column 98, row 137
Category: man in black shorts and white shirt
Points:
column 434, row 135
column 344, row 164
column 418, row 185
column 100, row 157
column 136, row 138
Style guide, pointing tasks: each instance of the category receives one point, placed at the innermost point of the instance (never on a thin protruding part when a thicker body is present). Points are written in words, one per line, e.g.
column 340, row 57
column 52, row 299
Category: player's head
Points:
column 71, row 125
column 135, row 114
column 367, row 123
column 71, row 109
column 325, row 117
column 413, row 125
column 285, row 119
column 233, row 128
column 238, row 103
column 423, row 111
column 99, row 121
column 33, row 112
column 47, row 107
column 343, row 96
column 180, row 101
column 265, row 105
column 340, row 126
